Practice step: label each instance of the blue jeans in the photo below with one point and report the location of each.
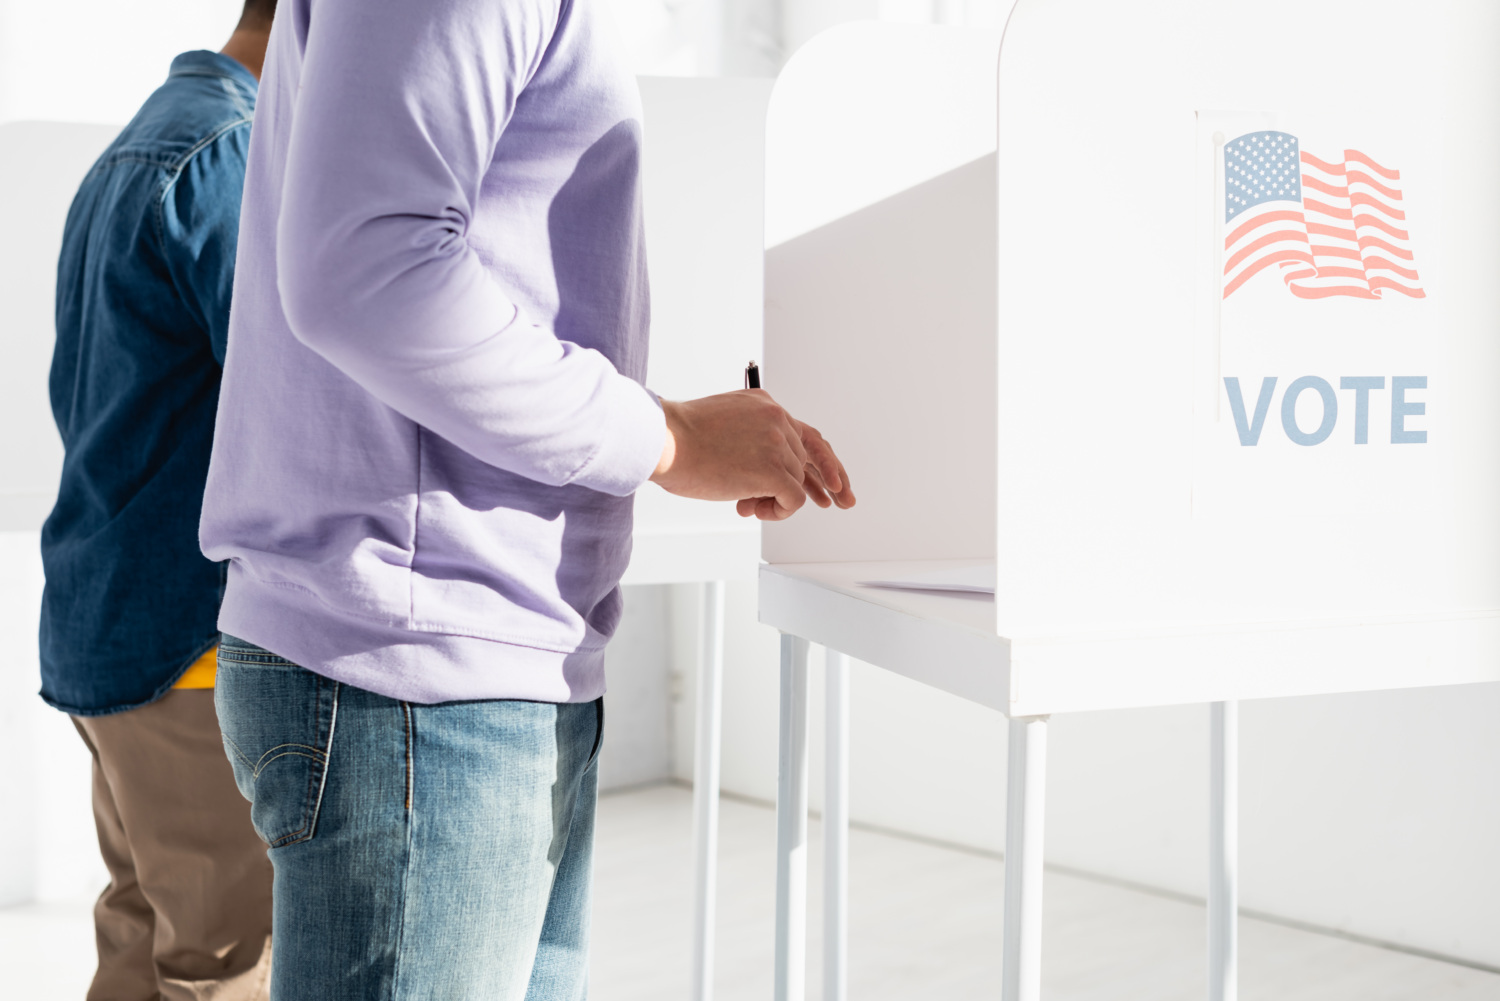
(420, 851)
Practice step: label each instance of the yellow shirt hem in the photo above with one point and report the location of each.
(202, 672)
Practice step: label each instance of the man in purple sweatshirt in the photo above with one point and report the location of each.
(430, 428)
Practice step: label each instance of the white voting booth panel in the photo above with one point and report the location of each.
(1180, 314)
(1064, 408)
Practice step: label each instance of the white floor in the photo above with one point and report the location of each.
(925, 924)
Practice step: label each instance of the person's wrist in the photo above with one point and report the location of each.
(669, 446)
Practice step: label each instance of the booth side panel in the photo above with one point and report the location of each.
(880, 332)
(1136, 493)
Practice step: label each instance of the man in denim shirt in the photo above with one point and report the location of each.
(129, 616)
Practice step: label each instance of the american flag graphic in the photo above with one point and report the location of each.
(1331, 228)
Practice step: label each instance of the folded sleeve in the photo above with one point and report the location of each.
(399, 109)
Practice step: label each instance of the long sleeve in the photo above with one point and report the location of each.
(399, 112)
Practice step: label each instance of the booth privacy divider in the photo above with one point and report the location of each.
(1176, 318)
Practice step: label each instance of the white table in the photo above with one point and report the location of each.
(947, 641)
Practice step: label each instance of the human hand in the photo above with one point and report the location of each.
(824, 478)
(743, 446)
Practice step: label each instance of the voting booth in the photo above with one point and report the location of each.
(1158, 341)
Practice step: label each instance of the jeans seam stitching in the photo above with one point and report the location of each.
(406, 710)
(260, 766)
(317, 778)
(237, 750)
(251, 659)
(598, 730)
(416, 527)
(396, 968)
(297, 835)
(313, 774)
(333, 722)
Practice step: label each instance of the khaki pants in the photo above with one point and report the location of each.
(187, 913)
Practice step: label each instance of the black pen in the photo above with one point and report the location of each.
(752, 376)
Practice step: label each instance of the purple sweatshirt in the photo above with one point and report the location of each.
(431, 420)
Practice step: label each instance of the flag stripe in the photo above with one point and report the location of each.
(1282, 236)
(1327, 168)
(1389, 248)
(1321, 292)
(1309, 181)
(1373, 220)
(1313, 205)
(1415, 293)
(1354, 154)
(1286, 215)
(1326, 251)
(1381, 264)
(1360, 177)
(1361, 198)
(1265, 262)
(1321, 229)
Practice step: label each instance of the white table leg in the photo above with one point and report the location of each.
(836, 830)
(1026, 787)
(1223, 851)
(791, 825)
(706, 788)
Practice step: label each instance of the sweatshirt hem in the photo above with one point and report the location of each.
(398, 662)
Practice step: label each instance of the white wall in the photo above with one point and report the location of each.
(755, 37)
(638, 725)
(1374, 814)
(97, 60)
(47, 846)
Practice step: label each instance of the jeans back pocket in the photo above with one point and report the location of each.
(278, 721)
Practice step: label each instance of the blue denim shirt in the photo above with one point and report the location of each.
(143, 287)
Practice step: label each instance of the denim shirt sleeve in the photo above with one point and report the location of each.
(199, 229)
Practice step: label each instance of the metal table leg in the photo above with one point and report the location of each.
(836, 830)
(791, 825)
(1223, 851)
(706, 788)
(1026, 783)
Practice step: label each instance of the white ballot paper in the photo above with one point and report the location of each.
(978, 579)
